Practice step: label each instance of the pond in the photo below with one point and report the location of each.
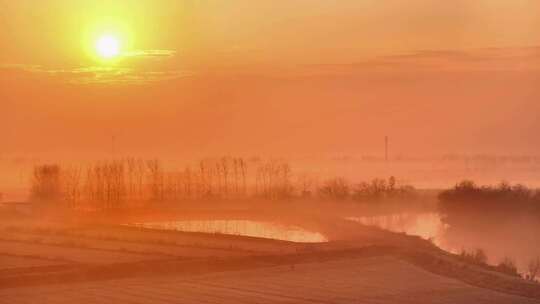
(499, 241)
(267, 230)
(425, 225)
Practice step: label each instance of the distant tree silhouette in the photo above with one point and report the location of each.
(477, 256)
(508, 266)
(502, 201)
(46, 183)
(533, 269)
(336, 188)
(379, 189)
(306, 184)
(130, 182)
(273, 180)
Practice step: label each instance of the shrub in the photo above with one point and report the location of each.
(533, 269)
(508, 266)
(382, 189)
(477, 256)
(336, 188)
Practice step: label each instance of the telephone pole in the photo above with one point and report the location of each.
(113, 146)
(386, 148)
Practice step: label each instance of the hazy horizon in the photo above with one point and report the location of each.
(311, 77)
(266, 151)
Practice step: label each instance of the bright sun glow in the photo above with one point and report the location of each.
(108, 46)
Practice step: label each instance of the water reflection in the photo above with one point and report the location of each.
(498, 240)
(241, 227)
(425, 225)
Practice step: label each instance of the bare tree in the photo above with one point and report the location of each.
(533, 269)
(508, 266)
(336, 188)
(306, 183)
(155, 176)
(225, 162)
(46, 183)
(71, 180)
(243, 172)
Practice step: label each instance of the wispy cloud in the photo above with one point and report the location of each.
(125, 72)
(487, 59)
(150, 53)
(99, 74)
(20, 67)
(124, 75)
(476, 55)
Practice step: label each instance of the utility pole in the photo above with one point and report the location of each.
(113, 146)
(386, 148)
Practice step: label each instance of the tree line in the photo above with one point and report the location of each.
(503, 200)
(115, 184)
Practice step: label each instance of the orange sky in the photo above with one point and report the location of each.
(271, 77)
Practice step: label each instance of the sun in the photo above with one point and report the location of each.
(108, 46)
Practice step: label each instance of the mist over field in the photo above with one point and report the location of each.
(301, 151)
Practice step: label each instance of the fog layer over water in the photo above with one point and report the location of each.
(516, 239)
(426, 225)
(241, 227)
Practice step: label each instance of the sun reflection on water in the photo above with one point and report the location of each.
(240, 227)
(428, 226)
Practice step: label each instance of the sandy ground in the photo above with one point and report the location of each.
(357, 280)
